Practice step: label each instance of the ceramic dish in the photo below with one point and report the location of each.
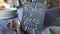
(8, 13)
(52, 30)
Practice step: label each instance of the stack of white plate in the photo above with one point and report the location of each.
(8, 13)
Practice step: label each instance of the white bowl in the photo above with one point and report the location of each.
(55, 30)
(8, 13)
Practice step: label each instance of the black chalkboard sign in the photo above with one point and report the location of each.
(33, 15)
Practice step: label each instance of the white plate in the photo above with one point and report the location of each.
(55, 29)
(8, 13)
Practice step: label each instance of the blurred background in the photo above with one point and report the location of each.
(36, 14)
